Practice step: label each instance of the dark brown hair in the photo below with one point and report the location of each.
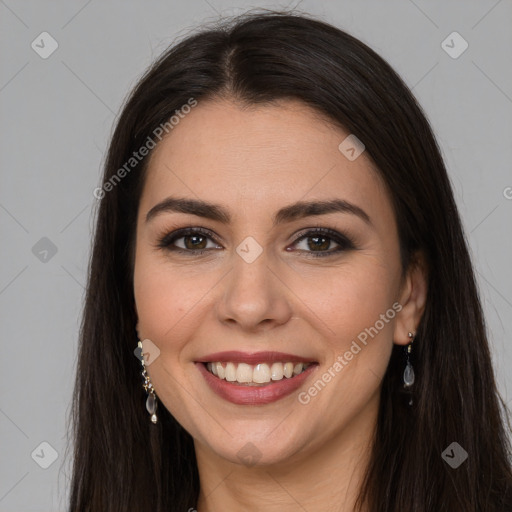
(124, 462)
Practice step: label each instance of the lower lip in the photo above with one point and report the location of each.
(255, 395)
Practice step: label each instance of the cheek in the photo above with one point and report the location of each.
(165, 301)
(354, 309)
(156, 304)
(347, 300)
(165, 297)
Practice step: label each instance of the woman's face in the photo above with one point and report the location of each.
(265, 280)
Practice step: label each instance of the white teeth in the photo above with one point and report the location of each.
(230, 372)
(276, 371)
(244, 373)
(221, 373)
(288, 370)
(260, 373)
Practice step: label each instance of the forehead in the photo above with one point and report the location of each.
(259, 157)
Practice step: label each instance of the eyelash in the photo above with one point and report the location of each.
(344, 242)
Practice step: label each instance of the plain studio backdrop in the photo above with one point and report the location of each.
(66, 67)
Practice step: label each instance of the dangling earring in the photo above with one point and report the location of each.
(151, 402)
(409, 371)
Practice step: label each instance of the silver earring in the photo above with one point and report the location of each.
(409, 371)
(151, 402)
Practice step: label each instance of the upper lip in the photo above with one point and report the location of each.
(253, 357)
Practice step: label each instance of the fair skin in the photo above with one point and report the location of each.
(253, 162)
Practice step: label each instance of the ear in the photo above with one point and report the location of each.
(412, 298)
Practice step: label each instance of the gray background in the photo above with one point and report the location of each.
(56, 117)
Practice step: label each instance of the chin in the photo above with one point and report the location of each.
(257, 446)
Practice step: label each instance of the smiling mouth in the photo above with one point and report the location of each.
(260, 374)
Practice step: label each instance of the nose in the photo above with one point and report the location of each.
(255, 296)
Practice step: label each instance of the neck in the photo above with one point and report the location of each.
(326, 478)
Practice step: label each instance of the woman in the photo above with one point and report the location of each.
(278, 243)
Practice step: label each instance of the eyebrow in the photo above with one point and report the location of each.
(289, 213)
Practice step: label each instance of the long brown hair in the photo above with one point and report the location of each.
(124, 462)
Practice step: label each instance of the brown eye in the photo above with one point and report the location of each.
(194, 241)
(189, 240)
(318, 242)
(321, 240)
